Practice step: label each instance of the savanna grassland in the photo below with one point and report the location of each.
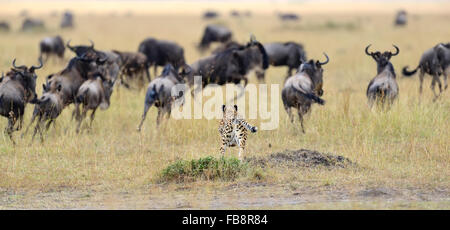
(402, 156)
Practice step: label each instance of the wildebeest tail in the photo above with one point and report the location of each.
(315, 98)
(265, 58)
(151, 96)
(409, 73)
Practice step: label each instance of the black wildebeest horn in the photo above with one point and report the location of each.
(323, 63)
(92, 44)
(397, 50)
(68, 45)
(18, 67)
(367, 50)
(33, 68)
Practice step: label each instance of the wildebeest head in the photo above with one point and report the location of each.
(80, 50)
(382, 59)
(246, 58)
(315, 71)
(27, 77)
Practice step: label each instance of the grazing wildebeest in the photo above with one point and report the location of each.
(214, 33)
(47, 108)
(161, 53)
(235, 13)
(30, 24)
(288, 16)
(383, 87)
(92, 94)
(4, 26)
(229, 66)
(52, 46)
(159, 92)
(210, 14)
(17, 89)
(111, 68)
(290, 54)
(400, 18)
(303, 89)
(133, 64)
(70, 78)
(430, 64)
(67, 20)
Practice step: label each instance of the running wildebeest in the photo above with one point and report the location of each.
(133, 64)
(288, 16)
(229, 66)
(214, 33)
(92, 94)
(159, 92)
(110, 70)
(400, 18)
(17, 89)
(161, 53)
(30, 24)
(4, 26)
(430, 64)
(67, 20)
(383, 88)
(210, 14)
(47, 108)
(52, 46)
(303, 89)
(290, 54)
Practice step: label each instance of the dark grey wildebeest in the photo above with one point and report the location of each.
(210, 14)
(67, 20)
(161, 53)
(133, 64)
(47, 108)
(17, 89)
(93, 94)
(303, 89)
(443, 54)
(31, 24)
(290, 54)
(159, 92)
(4, 26)
(52, 46)
(288, 16)
(383, 88)
(430, 64)
(229, 66)
(110, 69)
(214, 33)
(400, 18)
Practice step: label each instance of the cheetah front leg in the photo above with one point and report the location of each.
(223, 146)
(241, 145)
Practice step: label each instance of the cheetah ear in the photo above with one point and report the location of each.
(223, 108)
(235, 107)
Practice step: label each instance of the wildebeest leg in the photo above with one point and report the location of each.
(81, 118)
(147, 106)
(158, 117)
(301, 112)
(289, 72)
(92, 117)
(10, 128)
(37, 128)
(421, 75)
(260, 74)
(433, 84)
(289, 112)
(29, 125)
(147, 73)
(445, 80)
(241, 93)
(20, 124)
(155, 69)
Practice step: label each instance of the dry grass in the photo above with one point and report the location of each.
(405, 149)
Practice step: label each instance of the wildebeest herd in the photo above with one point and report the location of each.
(89, 78)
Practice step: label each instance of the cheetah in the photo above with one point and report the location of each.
(233, 129)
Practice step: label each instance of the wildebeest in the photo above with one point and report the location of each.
(430, 64)
(92, 94)
(133, 64)
(443, 54)
(400, 18)
(229, 66)
(159, 92)
(52, 46)
(235, 13)
(30, 24)
(210, 14)
(288, 16)
(67, 20)
(290, 54)
(17, 89)
(110, 69)
(214, 33)
(4, 26)
(70, 78)
(383, 87)
(47, 108)
(161, 53)
(303, 89)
